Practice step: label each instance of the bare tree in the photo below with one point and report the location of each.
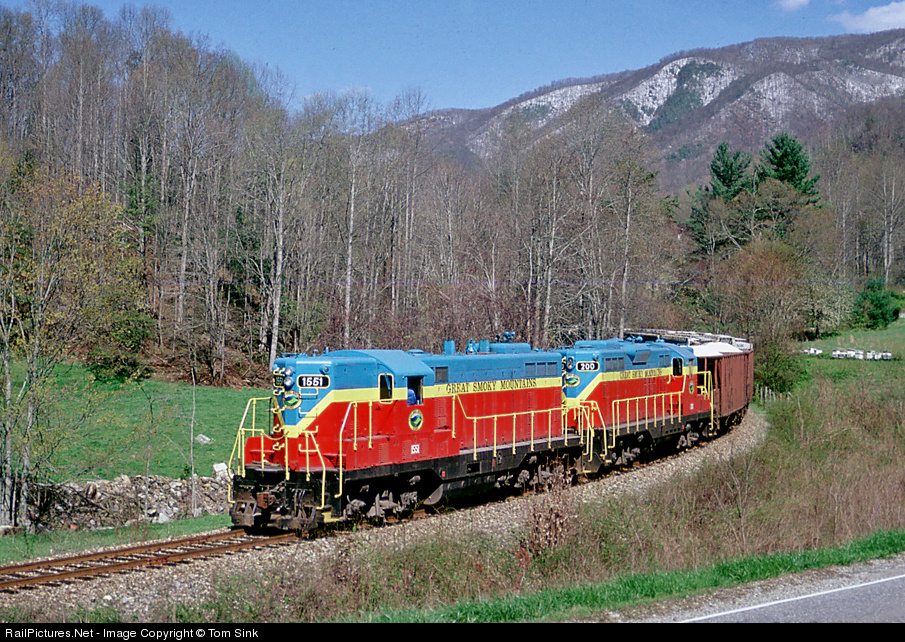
(358, 120)
(56, 282)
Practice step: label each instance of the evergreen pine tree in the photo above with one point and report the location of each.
(785, 160)
(728, 172)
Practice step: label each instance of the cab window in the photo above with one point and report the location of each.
(386, 387)
(415, 391)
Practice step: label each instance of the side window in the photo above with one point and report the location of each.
(415, 391)
(386, 387)
(677, 367)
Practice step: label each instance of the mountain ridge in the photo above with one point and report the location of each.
(691, 101)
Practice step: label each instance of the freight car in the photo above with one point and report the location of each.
(371, 433)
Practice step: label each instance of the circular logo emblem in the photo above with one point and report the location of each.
(571, 380)
(291, 400)
(416, 420)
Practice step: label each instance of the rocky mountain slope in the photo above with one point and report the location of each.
(691, 101)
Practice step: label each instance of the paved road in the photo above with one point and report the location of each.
(868, 592)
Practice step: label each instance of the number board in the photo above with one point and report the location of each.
(313, 381)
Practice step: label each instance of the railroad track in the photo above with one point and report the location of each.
(60, 570)
(14, 577)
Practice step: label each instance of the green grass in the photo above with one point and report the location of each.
(107, 430)
(588, 601)
(153, 419)
(138, 428)
(868, 373)
(891, 339)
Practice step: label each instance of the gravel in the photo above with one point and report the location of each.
(153, 594)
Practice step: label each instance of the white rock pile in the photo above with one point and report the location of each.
(127, 500)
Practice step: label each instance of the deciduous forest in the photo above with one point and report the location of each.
(165, 206)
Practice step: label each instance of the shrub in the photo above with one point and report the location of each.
(119, 357)
(875, 308)
(777, 366)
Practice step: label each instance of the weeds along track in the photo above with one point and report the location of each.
(15, 577)
(644, 473)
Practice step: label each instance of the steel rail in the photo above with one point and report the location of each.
(15, 576)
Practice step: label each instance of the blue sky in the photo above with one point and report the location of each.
(479, 53)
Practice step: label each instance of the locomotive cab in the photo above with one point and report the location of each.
(632, 394)
(333, 414)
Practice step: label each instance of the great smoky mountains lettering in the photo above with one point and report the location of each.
(489, 386)
(637, 374)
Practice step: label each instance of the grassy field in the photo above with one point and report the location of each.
(139, 428)
(874, 375)
(105, 430)
(891, 339)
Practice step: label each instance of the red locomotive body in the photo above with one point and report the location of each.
(361, 433)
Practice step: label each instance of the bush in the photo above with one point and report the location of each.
(875, 308)
(777, 366)
(119, 357)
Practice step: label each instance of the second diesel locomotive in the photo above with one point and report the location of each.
(372, 433)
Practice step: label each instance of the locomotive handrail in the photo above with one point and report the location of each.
(353, 409)
(706, 389)
(503, 415)
(662, 397)
(342, 430)
(281, 443)
(587, 410)
(309, 437)
(239, 445)
(308, 395)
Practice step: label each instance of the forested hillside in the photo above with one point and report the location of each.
(238, 223)
(165, 206)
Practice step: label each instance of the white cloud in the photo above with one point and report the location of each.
(792, 5)
(890, 16)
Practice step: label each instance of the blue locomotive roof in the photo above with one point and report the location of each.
(395, 361)
(461, 368)
(643, 354)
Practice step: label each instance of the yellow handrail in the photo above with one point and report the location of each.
(238, 450)
(309, 448)
(504, 415)
(622, 409)
(707, 390)
(587, 410)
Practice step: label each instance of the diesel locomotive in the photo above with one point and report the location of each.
(355, 434)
